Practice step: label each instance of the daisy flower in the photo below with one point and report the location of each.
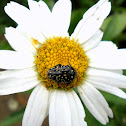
(47, 58)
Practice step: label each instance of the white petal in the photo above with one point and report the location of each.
(107, 77)
(104, 47)
(108, 88)
(17, 12)
(15, 60)
(37, 106)
(23, 17)
(39, 8)
(77, 110)
(18, 41)
(119, 71)
(96, 103)
(59, 110)
(14, 85)
(93, 41)
(73, 109)
(100, 99)
(61, 14)
(33, 5)
(114, 71)
(42, 16)
(107, 56)
(97, 10)
(92, 107)
(92, 20)
(20, 74)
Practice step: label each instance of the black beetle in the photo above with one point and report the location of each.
(62, 73)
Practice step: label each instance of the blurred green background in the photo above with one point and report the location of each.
(114, 28)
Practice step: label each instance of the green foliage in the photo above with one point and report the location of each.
(114, 26)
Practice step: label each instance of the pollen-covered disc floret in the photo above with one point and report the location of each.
(60, 52)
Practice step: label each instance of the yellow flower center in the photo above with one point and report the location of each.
(61, 63)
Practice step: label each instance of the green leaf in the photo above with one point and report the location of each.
(2, 28)
(115, 26)
(122, 38)
(124, 72)
(50, 3)
(117, 2)
(28, 91)
(4, 45)
(14, 118)
(86, 3)
(106, 23)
